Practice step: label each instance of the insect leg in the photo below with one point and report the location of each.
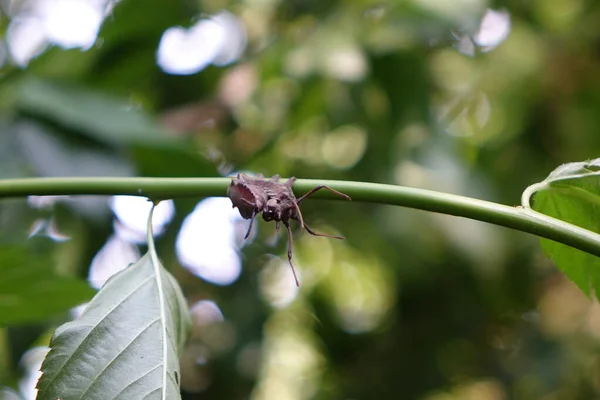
(290, 245)
(299, 215)
(321, 234)
(251, 222)
(345, 196)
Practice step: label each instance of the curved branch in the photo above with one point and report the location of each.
(444, 203)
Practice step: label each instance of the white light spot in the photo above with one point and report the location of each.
(494, 28)
(66, 23)
(206, 312)
(26, 39)
(31, 362)
(71, 23)
(235, 38)
(219, 41)
(183, 52)
(114, 256)
(208, 241)
(132, 213)
(346, 63)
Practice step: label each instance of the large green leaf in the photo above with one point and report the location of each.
(29, 289)
(571, 193)
(108, 119)
(127, 342)
(52, 155)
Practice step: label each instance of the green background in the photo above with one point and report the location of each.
(411, 305)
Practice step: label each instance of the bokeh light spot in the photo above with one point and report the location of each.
(71, 23)
(205, 312)
(114, 256)
(277, 283)
(344, 147)
(219, 40)
(132, 214)
(495, 27)
(208, 241)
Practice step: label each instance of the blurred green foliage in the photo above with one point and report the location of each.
(412, 305)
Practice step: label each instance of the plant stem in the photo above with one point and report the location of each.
(164, 188)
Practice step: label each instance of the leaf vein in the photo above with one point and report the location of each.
(87, 336)
(136, 380)
(133, 339)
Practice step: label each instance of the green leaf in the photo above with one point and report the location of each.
(158, 16)
(127, 342)
(571, 193)
(11, 156)
(30, 291)
(106, 118)
(53, 155)
(180, 161)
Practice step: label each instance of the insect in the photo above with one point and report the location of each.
(276, 201)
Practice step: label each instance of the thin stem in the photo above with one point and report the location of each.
(164, 188)
(530, 191)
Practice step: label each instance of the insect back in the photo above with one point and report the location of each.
(276, 201)
(245, 195)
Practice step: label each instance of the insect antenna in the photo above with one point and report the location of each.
(290, 245)
(316, 188)
(321, 234)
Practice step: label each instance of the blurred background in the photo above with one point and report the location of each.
(473, 97)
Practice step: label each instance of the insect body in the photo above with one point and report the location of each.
(276, 201)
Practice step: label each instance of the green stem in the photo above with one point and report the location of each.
(518, 218)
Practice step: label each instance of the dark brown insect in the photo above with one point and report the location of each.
(276, 201)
